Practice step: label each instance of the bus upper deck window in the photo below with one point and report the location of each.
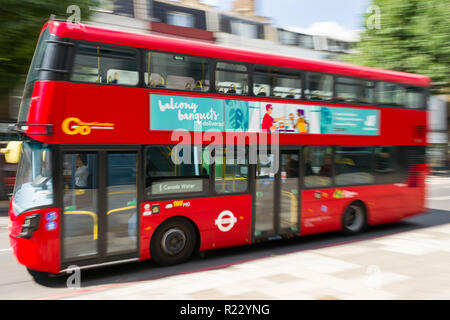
(318, 86)
(354, 90)
(415, 98)
(275, 82)
(173, 71)
(97, 64)
(231, 78)
(390, 94)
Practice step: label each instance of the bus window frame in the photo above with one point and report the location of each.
(138, 60)
(373, 86)
(300, 75)
(213, 171)
(425, 95)
(372, 166)
(174, 196)
(142, 70)
(207, 193)
(249, 74)
(401, 170)
(303, 163)
(384, 105)
(333, 86)
(101, 150)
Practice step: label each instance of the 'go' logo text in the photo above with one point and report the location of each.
(74, 126)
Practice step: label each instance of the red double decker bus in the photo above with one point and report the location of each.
(138, 146)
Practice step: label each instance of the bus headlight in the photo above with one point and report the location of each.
(30, 225)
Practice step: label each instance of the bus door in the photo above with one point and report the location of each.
(276, 194)
(99, 206)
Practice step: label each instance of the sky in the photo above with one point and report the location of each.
(340, 18)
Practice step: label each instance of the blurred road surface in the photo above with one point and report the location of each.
(405, 260)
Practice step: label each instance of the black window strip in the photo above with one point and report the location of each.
(251, 73)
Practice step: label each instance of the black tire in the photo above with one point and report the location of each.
(173, 242)
(354, 219)
(38, 276)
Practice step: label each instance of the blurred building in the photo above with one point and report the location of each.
(242, 27)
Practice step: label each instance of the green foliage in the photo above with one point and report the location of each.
(20, 25)
(413, 36)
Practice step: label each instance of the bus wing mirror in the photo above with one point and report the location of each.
(12, 151)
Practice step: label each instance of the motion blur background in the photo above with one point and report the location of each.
(405, 35)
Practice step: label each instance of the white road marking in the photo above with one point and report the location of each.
(439, 198)
(435, 182)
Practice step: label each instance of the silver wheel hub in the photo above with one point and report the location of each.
(354, 219)
(173, 241)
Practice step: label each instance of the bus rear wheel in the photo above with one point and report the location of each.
(173, 242)
(354, 219)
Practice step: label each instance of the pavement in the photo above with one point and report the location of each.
(412, 264)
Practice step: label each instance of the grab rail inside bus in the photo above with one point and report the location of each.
(94, 218)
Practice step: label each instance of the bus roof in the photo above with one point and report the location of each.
(183, 46)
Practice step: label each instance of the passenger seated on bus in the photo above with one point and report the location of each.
(116, 78)
(291, 94)
(262, 92)
(292, 168)
(308, 165)
(233, 88)
(325, 169)
(160, 83)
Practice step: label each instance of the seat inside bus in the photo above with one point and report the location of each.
(229, 87)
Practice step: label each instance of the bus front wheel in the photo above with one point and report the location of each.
(173, 242)
(354, 219)
(39, 276)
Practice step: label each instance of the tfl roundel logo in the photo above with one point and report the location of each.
(225, 221)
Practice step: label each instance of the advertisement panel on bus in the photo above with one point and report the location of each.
(170, 112)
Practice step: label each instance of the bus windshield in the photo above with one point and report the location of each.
(34, 185)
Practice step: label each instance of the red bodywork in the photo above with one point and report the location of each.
(41, 252)
(127, 109)
(203, 212)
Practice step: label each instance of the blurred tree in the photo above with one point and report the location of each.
(407, 35)
(20, 25)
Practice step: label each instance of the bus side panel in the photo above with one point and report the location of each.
(322, 209)
(42, 251)
(115, 108)
(221, 221)
(321, 212)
